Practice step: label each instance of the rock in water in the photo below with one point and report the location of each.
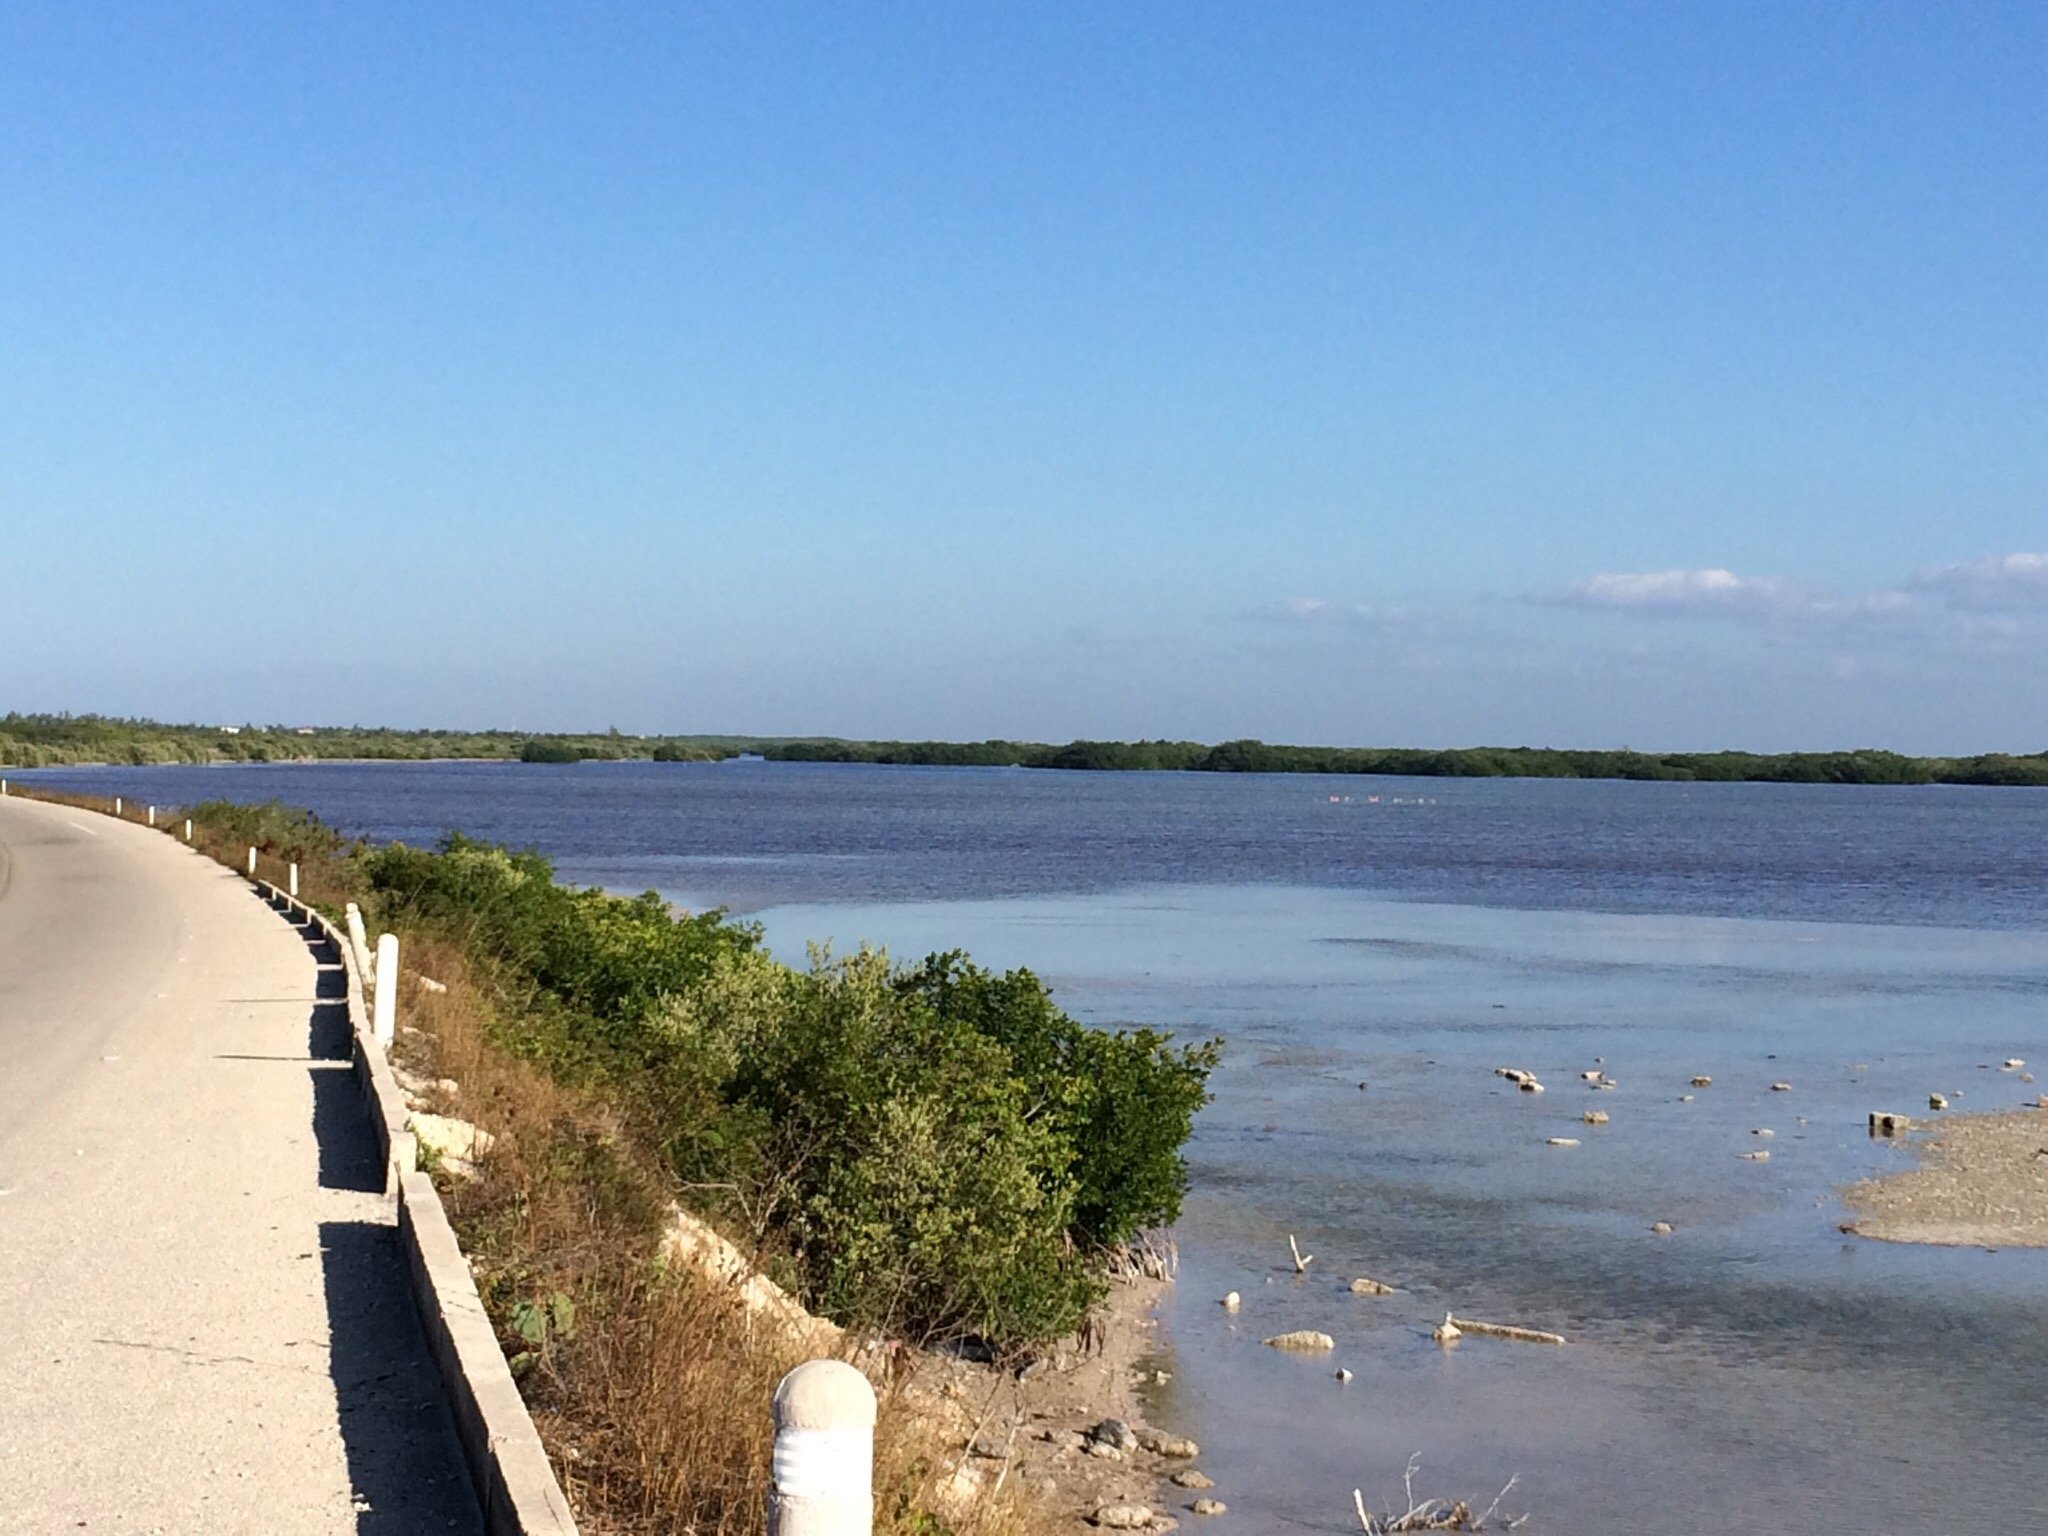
(1781, 1087)
(1209, 1507)
(1190, 1478)
(1364, 1287)
(1305, 1339)
(1937, 1101)
(1231, 1302)
(1757, 1157)
(1703, 1082)
(1660, 1228)
(1595, 1117)
(1562, 1141)
(1447, 1332)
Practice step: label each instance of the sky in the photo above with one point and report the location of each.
(1672, 376)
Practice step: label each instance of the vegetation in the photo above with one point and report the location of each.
(937, 1151)
(1865, 766)
(34, 741)
(49, 741)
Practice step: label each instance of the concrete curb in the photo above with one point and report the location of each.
(515, 1483)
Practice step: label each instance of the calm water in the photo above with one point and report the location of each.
(1755, 1370)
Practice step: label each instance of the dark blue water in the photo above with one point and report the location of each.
(751, 834)
(1756, 1370)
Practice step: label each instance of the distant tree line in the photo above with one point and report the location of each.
(33, 741)
(1865, 766)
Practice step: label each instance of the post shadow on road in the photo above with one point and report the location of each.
(341, 1122)
(404, 1460)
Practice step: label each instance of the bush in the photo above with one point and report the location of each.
(550, 752)
(940, 1150)
(286, 831)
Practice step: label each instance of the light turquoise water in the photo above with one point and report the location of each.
(1756, 1369)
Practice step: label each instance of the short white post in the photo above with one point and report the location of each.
(384, 1016)
(117, 805)
(252, 863)
(292, 888)
(3, 786)
(152, 815)
(188, 829)
(824, 1464)
(359, 942)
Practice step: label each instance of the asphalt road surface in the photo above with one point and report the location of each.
(204, 1325)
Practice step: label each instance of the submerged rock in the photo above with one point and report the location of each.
(1209, 1507)
(1305, 1339)
(1190, 1478)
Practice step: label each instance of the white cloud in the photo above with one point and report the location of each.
(1968, 597)
(1711, 591)
(2018, 580)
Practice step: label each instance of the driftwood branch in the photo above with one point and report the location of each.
(1504, 1331)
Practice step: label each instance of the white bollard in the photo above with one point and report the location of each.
(824, 1465)
(152, 815)
(3, 786)
(117, 805)
(252, 863)
(292, 888)
(188, 829)
(384, 1017)
(359, 942)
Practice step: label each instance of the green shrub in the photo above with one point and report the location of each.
(551, 752)
(286, 831)
(940, 1150)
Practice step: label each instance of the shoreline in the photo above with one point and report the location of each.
(1977, 1181)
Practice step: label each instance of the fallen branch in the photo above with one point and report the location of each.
(1505, 1331)
(1301, 1260)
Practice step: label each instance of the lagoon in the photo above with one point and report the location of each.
(1756, 1368)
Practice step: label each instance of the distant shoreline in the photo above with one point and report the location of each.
(72, 741)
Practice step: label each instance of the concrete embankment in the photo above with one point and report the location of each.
(210, 1322)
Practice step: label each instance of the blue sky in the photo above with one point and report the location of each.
(1663, 375)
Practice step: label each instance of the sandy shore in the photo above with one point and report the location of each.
(1981, 1181)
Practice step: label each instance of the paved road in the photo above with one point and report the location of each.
(203, 1322)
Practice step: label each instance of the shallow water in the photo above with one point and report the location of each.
(1756, 1369)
